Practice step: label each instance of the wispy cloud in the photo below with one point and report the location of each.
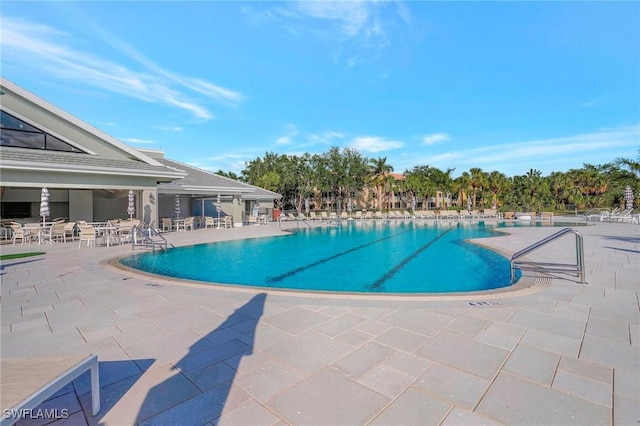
(375, 144)
(138, 141)
(172, 128)
(435, 138)
(538, 153)
(365, 26)
(38, 46)
(593, 102)
(294, 137)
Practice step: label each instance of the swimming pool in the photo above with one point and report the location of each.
(361, 257)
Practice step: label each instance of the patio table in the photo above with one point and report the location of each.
(177, 224)
(108, 233)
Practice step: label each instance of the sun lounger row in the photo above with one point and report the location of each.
(392, 214)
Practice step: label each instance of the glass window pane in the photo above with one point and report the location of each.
(55, 144)
(10, 122)
(19, 139)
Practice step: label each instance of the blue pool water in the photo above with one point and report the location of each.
(369, 257)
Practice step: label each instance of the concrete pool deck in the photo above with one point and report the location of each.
(172, 353)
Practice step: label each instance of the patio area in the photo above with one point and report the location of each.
(559, 353)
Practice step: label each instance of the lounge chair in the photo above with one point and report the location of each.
(344, 215)
(450, 214)
(489, 213)
(312, 216)
(323, 216)
(429, 214)
(28, 382)
(358, 215)
(546, 216)
(621, 216)
(368, 215)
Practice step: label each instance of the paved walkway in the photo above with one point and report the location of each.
(561, 353)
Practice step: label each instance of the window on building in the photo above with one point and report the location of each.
(16, 210)
(18, 134)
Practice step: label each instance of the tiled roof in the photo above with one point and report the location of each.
(40, 159)
(201, 178)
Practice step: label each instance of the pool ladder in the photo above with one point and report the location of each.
(576, 270)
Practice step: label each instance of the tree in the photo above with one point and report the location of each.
(379, 171)
(632, 165)
(496, 182)
(340, 173)
(462, 187)
(477, 181)
(230, 175)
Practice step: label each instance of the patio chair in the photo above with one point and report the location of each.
(252, 220)
(55, 232)
(70, 230)
(32, 231)
(189, 223)
(209, 222)
(228, 221)
(88, 234)
(166, 224)
(18, 234)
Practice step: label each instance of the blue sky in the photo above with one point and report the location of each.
(505, 86)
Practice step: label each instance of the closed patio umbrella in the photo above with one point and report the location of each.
(44, 204)
(131, 208)
(218, 205)
(177, 206)
(628, 197)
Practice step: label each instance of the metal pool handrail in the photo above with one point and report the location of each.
(571, 269)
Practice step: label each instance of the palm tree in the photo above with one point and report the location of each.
(477, 180)
(497, 182)
(628, 163)
(462, 185)
(379, 172)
